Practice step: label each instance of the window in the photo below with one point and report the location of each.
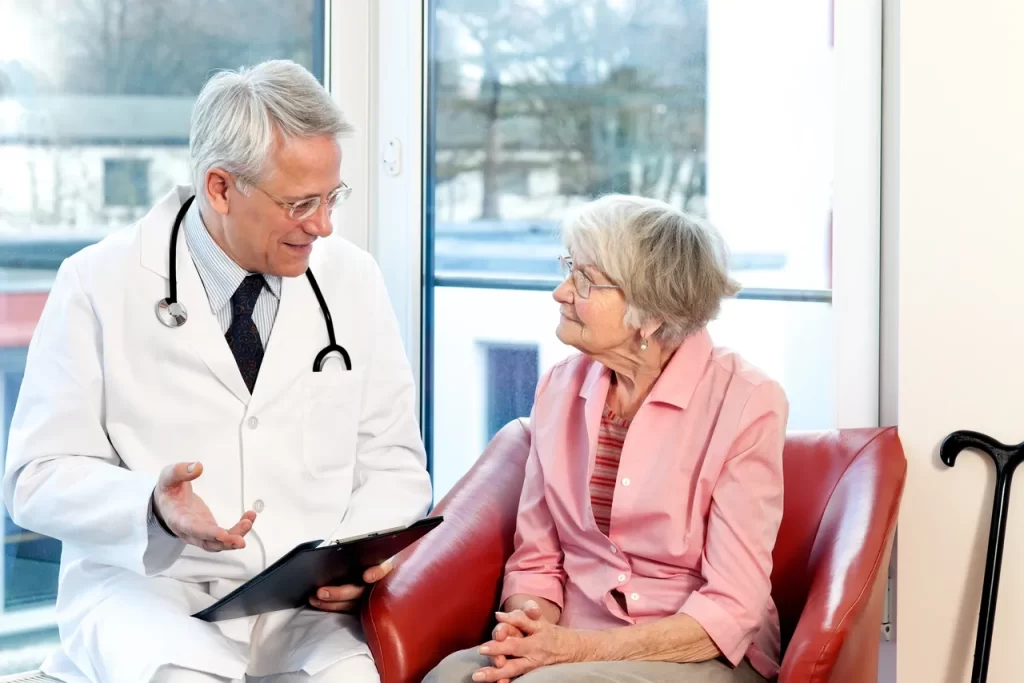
(743, 119)
(126, 182)
(91, 133)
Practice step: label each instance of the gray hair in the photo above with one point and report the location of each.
(669, 264)
(237, 113)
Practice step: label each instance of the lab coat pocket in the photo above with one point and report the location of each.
(330, 421)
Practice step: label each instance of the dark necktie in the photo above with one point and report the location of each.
(242, 336)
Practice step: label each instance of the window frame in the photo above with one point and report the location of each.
(398, 81)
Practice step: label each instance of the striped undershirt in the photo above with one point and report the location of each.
(606, 467)
(221, 277)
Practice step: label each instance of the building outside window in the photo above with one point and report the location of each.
(126, 182)
(511, 382)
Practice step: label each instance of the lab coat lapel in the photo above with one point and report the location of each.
(202, 330)
(155, 230)
(290, 350)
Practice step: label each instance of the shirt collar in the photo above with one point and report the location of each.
(678, 380)
(220, 275)
(684, 371)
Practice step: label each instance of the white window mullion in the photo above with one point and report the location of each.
(389, 150)
(857, 211)
(350, 78)
(396, 240)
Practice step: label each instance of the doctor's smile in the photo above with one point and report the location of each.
(301, 249)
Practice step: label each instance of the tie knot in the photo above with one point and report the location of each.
(244, 299)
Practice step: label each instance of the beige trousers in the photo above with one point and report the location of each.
(459, 668)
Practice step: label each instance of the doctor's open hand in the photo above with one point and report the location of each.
(346, 598)
(188, 517)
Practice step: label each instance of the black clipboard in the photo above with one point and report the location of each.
(293, 579)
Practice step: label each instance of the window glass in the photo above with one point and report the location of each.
(535, 106)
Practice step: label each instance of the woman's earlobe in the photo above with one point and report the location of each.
(651, 328)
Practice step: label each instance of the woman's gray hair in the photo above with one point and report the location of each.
(237, 113)
(669, 264)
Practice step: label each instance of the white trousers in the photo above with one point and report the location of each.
(356, 669)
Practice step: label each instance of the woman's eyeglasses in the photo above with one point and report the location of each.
(580, 281)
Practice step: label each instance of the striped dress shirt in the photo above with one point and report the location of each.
(221, 277)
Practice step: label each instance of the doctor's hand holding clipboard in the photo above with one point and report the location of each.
(346, 598)
(183, 514)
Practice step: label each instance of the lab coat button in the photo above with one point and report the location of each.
(625, 482)
(257, 505)
(635, 596)
(253, 423)
(622, 578)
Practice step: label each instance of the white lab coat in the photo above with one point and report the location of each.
(110, 396)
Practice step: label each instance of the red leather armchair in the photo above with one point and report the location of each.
(843, 490)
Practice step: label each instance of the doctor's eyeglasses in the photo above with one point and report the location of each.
(304, 208)
(580, 280)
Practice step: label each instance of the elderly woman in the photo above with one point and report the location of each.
(653, 490)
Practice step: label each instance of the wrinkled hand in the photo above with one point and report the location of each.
(346, 598)
(541, 644)
(188, 517)
(505, 630)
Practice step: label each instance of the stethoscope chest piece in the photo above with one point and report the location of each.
(171, 314)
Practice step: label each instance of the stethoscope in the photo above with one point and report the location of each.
(172, 313)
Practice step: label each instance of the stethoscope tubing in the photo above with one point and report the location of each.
(178, 321)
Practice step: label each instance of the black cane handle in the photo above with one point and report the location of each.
(1006, 459)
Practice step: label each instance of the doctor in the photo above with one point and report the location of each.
(176, 451)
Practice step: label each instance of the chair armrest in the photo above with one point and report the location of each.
(444, 589)
(837, 637)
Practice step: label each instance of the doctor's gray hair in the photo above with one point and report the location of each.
(237, 113)
(670, 265)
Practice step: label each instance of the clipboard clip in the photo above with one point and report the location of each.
(345, 541)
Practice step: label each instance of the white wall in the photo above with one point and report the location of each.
(961, 357)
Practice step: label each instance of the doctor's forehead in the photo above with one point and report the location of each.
(305, 167)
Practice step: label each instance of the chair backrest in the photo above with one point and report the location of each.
(842, 494)
(454, 575)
